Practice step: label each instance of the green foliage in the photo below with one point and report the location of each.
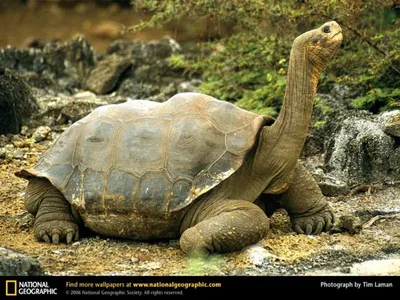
(319, 123)
(378, 99)
(245, 72)
(325, 109)
(248, 65)
(177, 62)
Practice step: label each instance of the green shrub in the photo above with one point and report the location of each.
(248, 66)
(378, 100)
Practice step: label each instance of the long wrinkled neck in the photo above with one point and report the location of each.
(293, 121)
(280, 145)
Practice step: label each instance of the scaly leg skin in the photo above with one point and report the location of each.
(222, 226)
(308, 210)
(55, 219)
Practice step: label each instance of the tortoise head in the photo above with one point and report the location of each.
(319, 45)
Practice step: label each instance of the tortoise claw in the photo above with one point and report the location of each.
(76, 236)
(319, 228)
(56, 231)
(328, 225)
(46, 238)
(69, 237)
(309, 229)
(313, 224)
(298, 229)
(56, 239)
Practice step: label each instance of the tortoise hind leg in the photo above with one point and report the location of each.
(55, 219)
(224, 226)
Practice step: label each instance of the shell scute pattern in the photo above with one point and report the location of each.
(149, 158)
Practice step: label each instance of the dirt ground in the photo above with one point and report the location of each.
(368, 229)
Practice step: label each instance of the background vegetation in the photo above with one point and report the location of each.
(245, 56)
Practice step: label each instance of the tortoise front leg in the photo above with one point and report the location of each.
(55, 220)
(308, 210)
(226, 226)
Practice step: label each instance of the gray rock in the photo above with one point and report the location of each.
(72, 60)
(332, 187)
(391, 122)
(158, 72)
(22, 60)
(4, 140)
(151, 76)
(105, 76)
(18, 154)
(189, 86)
(350, 223)
(339, 98)
(41, 133)
(143, 52)
(16, 102)
(81, 104)
(63, 66)
(257, 255)
(325, 111)
(3, 153)
(62, 108)
(136, 90)
(13, 263)
(359, 151)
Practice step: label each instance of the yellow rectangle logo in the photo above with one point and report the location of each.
(11, 288)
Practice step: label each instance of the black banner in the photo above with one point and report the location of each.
(178, 286)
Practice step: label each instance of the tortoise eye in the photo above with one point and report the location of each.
(327, 29)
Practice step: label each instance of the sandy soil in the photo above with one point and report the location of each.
(282, 252)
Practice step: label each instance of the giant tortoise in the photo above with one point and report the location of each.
(192, 167)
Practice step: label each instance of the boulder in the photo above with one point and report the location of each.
(16, 102)
(62, 108)
(66, 63)
(359, 151)
(391, 123)
(143, 52)
(13, 263)
(104, 77)
(151, 75)
(337, 100)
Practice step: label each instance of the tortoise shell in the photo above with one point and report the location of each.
(147, 157)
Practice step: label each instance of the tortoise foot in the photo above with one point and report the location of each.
(314, 224)
(57, 231)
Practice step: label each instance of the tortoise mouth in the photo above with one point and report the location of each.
(338, 36)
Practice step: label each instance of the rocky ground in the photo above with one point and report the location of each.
(367, 230)
(355, 157)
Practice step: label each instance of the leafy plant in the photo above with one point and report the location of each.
(248, 65)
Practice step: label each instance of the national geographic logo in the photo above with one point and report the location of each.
(11, 288)
(14, 288)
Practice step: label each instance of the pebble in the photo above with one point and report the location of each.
(151, 266)
(3, 140)
(134, 260)
(24, 130)
(257, 255)
(41, 133)
(18, 154)
(9, 147)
